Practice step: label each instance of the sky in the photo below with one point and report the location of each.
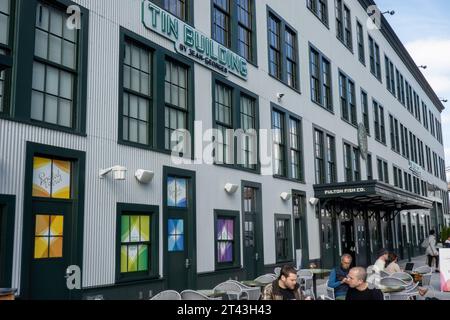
(424, 28)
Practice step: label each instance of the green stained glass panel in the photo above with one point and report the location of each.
(134, 229)
(145, 228)
(143, 258)
(123, 259)
(132, 258)
(125, 234)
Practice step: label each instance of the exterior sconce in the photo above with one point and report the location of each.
(118, 172)
(286, 196)
(144, 176)
(231, 188)
(313, 201)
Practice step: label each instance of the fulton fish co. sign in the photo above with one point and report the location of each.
(192, 43)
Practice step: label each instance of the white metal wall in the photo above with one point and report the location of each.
(106, 17)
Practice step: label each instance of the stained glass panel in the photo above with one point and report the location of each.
(176, 235)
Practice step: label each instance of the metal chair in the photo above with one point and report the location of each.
(252, 293)
(384, 274)
(233, 290)
(195, 295)
(167, 295)
(277, 271)
(330, 293)
(392, 282)
(403, 275)
(426, 282)
(423, 270)
(369, 270)
(266, 278)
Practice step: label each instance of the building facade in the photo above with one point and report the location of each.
(349, 151)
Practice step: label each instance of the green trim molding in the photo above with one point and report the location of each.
(7, 229)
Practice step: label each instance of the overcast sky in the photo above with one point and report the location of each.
(424, 28)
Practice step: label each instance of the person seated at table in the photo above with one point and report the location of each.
(380, 264)
(447, 243)
(392, 264)
(285, 287)
(338, 277)
(359, 288)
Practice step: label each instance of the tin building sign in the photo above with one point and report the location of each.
(192, 43)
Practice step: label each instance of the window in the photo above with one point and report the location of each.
(344, 24)
(235, 118)
(182, 9)
(137, 245)
(429, 163)
(177, 191)
(137, 88)
(52, 178)
(55, 68)
(365, 110)
(406, 139)
(409, 97)
(283, 238)
(320, 9)
(320, 68)
(5, 51)
(351, 163)
(176, 104)
(400, 87)
(383, 170)
(348, 99)
(395, 136)
(375, 63)
(417, 106)
(361, 45)
(48, 238)
(390, 75)
(325, 157)
(432, 129)
(287, 145)
(283, 51)
(369, 167)
(380, 132)
(398, 177)
(227, 239)
(233, 26)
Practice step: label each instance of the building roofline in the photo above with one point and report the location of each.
(397, 45)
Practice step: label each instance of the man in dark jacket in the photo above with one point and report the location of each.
(285, 287)
(338, 277)
(359, 288)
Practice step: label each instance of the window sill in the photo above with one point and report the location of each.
(239, 168)
(381, 142)
(379, 79)
(317, 16)
(149, 148)
(349, 123)
(345, 45)
(285, 83)
(43, 126)
(130, 280)
(301, 181)
(316, 103)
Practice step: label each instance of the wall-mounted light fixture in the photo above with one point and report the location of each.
(286, 196)
(280, 96)
(231, 188)
(390, 12)
(313, 201)
(118, 172)
(144, 176)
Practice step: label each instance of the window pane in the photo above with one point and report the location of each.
(41, 44)
(51, 109)
(37, 106)
(52, 81)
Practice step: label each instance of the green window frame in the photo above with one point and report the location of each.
(287, 149)
(230, 257)
(379, 122)
(182, 9)
(383, 170)
(321, 79)
(235, 110)
(390, 75)
(320, 9)
(150, 88)
(344, 24)
(347, 93)
(7, 15)
(233, 24)
(283, 55)
(365, 110)
(324, 156)
(137, 236)
(52, 63)
(361, 42)
(369, 167)
(7, 215)
(352, 163)
(283, 238)
(375, 62)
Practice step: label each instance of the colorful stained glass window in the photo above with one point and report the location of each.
(177, 192)
(225, 240)
(176, 235)
(51, 178)
(48, 236)
(135, 243)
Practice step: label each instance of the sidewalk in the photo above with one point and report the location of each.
(418, 261)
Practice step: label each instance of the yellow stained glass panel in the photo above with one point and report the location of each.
(56, 226)
(61, 175)
(134, 226)
(123, 259)
(42, 225)
(56, 247)
(40, 247)
(42, 177)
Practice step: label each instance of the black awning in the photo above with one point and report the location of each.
(373, 195)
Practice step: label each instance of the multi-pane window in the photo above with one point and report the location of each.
(248, 123)
(279, 143)
(325, 157)
(177, 7)
(409, 104)
(225, 239)
(137, 95)
(224, 123)
(365, 110)
(5, 48)
(400, 87)
(320, 9)
(405, 139)
(321, 89)
(221, 27)
(417, 106)
(429, 163)
(283, 239)
(233, 26)
(375, 63)
(425, 115)
(351, 163)
(398, 177)
(295, 148)
(344, 24)
(49, 237)
(55, 68)
(176, 104)
(379, 123)
(395, 135)
(283, 51)
(383, 171)
(369, 167)
(432, 127)
(390, 75)
(135, 244)
(348, 99)
(361, 46)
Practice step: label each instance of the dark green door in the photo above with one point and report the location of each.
(300, 227)
(326, 231)
(51, 250)
(348, 243)
(375, 241)
(179, 233)
(253, 259)
(361, 242)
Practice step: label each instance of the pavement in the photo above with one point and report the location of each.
(435, 290)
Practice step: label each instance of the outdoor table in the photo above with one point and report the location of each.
(391, 289)
(7, 294)
(254, 284)
(218, 295)
(315, 272)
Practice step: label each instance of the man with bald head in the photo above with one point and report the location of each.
(359, 288)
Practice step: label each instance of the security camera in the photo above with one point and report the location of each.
(280, 96)
(144, 176)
